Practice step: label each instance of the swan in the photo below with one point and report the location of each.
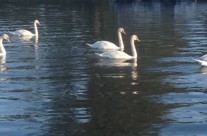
(2, 49)
(23, 32)
(106, 45)
(120, 54)
(202, 60)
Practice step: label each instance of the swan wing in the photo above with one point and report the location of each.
(202, 62)
(204, 57)
(104, 45)
(23, 32)
(115, 55)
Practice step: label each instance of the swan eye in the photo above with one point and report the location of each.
(122, 31)
(7, 38)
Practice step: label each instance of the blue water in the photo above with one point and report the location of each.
(58, 86)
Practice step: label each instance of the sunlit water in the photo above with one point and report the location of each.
(58, 86)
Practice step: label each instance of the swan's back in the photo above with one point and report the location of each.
(23, 32)
(202, 62)
(204, 57)
(115, 55)
(104, 45)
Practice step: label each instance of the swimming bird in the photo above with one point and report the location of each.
(202, 60)
(120, 54)
(2, 49)
(23, 32)
(106, 45)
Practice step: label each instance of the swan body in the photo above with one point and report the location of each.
(2, 49)
(23, 32)
(120, 54)
(106, 45)
(202, 60)
(115, 55)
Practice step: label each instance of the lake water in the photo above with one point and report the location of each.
(59, 87)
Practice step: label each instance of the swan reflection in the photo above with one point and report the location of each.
(116, 63)
(128, 68)
(2, 62)
(204, 70)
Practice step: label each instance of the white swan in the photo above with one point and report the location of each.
(120, 54)
(2, 49)
(202, 60)
(106, 45)
(23, 32)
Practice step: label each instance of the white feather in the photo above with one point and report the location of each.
(106, 45)
(202, 62)
(119, 54)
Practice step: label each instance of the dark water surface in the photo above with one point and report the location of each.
(59, 87)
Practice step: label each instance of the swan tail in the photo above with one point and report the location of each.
(202, 62)
(88, 44)
(14, 33)
(100, 55)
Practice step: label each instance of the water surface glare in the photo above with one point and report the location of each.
(58, 86)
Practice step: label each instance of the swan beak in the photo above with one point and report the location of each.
(124, 32)
(8, 40)
(138, 39)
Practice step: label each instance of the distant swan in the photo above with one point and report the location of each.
(2, 49)
(23, 32)
(106, 45)
(202, 60)
(120, 54)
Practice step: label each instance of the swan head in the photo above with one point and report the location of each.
(121, 30)
(5, 37)
(37, 22)
(135, 38)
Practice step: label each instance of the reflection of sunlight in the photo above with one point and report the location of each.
(189, 81)
(189, 105)
(187, 98)
(135, 75)
(79, 89)
(134, 92)
(190, 111)
(81, 114)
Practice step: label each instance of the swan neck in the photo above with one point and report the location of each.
(121, 44)
(2, 49)
(134, 52)
(35, 29)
